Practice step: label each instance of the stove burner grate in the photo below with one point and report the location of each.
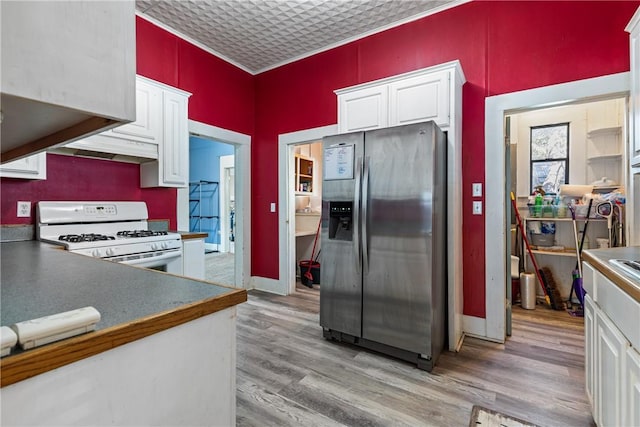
(91, 237)
(141, 233)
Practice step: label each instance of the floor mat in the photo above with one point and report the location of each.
(489, 418)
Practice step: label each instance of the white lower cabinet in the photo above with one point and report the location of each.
(193, 258)
(589, 349)
(632, 394)
(32, 167)
(611, 348)
(612, 361)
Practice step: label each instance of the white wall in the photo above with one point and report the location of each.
(582, 119)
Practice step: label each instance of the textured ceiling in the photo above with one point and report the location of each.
(258, 35)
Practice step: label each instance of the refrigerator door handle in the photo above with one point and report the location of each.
(357, 247)
(365, 215)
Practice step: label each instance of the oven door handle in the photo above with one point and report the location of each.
(154, 260)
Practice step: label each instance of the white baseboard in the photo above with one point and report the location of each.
(212, 246)
(268, 285)
(475, 326)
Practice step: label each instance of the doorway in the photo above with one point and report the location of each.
(227, 204)
(287, 202)
(580, 143)
(241, 149)
(497, 202)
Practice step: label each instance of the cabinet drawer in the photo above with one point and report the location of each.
(623, 310)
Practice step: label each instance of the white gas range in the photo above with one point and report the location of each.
(113, 231)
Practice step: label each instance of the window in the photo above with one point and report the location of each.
(549, 157)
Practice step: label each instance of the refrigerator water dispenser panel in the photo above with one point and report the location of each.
(341, 221)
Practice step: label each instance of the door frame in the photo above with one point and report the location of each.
(242, 144)
(226, 162)
(286, 201)
(497, 204)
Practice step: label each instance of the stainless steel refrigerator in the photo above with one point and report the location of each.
(383, 283)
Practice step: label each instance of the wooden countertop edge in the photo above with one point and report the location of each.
(603, 268)
(193, 235)
(37, 361)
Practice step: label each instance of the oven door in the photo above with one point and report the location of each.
(167, 261)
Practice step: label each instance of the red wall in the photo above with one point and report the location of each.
(502, 46)
(222, 96)
(77, 178)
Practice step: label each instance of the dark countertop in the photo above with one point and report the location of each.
(39, 279)
(599, 259)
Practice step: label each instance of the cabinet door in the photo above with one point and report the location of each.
(363, 109)
(634, 100)
(175, 147)
(589, 347)
(420, 98)
(610, 361)
(32, 167)
(146, 128)
(193, 258)
(632, 394)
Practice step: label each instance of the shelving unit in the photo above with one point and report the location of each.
(201, 216)
(604, 154)
(303, 174)
(562, 262)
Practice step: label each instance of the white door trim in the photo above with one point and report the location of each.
(496, 199)
(242, 166)
(286, 213)
(226, 162)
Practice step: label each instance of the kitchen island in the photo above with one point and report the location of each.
(163, 352)
(612, 336)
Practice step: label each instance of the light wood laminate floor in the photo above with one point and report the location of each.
(288, 375)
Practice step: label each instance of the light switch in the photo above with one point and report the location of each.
(477, 207)
(273, 207)
(477, 189)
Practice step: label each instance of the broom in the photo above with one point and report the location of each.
(308, 275)
(544, 275)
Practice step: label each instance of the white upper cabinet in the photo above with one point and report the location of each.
(146, 128)
(364, 109)
(68, 70)
(32, 167)
(420, 98)
(634, 108)
(412, 97)
(172, 167)
(135, 141)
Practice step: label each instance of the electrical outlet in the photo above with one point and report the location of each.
(273, 207)
(24, 209)
(477, 208)
(476, 189)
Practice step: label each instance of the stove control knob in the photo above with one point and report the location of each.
(165, 245)
(110, 252)
(154, 247)
(96, 253)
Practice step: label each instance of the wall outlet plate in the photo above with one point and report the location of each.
(476, 188)
(477, 207)
(24, 209)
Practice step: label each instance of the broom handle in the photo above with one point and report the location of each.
(526, 241)
(314, 246)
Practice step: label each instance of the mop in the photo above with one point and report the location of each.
(308, 275)
(577, 278)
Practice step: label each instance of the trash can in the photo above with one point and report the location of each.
(315, 272)
(528, 291)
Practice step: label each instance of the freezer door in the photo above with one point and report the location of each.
(341, 272)
(403, 253)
